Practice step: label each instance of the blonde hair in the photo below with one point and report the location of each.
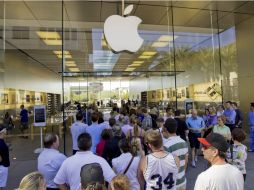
(31, 181)
(96, 186)
(154, 138)
(120, 182)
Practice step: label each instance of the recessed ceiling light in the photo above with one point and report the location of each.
(130, 69)
(59, 52)
(149, 53)
(53, 42)
(65, 56)
(48, 35)
(70, 64)
(74, 69)
(134, 65)
(144, 57)
(137, 62)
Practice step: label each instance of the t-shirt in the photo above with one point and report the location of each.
(239, 156)
(220, 177)
(224, 130)
(95, 131)
(120, 164)
(77, 128)
(69, 172)
(178, 147)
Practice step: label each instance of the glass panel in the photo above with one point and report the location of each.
(197, 56)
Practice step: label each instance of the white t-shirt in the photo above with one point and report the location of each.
(120, 164)
(69, 172)
(77, 128)
(220, 177)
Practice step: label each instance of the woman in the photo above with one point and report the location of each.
(8, 122)
(120, 182)
(127, 164)
(136, 136)
(222, 129)
(33, 181)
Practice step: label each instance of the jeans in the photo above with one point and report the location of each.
(252, 138)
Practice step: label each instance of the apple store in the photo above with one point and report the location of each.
(150, 53)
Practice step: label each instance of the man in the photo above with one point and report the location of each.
(182, 128)
(50, 160)
(196, 125)
(92, 175)
(68, 175)
(95, 131)
(239, 115)
(169, 113)
(159, 169)
(251, 125)
(77, 128)
(4, 158)
(177, 146)
(147, 121)
(230, 115)
(23, 120)
(220, 175)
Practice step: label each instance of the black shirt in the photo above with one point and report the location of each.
(181, 128)
(4, 153)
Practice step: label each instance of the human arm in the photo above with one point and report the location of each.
(141, 169)
(63, 187)
(186, 162)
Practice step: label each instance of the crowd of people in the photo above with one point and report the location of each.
(138, 149)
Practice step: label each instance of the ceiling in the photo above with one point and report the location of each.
(195, 22)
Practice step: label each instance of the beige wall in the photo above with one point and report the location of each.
(245, 59)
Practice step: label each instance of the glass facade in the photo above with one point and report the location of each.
(54, 52)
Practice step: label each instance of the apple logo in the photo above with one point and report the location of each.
(121, 33)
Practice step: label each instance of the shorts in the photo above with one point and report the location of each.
(193, 139)
(3, 176)
(23, 126)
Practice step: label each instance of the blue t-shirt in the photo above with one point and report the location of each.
(24, 116)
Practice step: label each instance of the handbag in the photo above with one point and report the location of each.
(128, 165)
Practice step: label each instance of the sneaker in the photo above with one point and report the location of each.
(193, 163)
(196, 159)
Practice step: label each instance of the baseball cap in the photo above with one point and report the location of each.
(91, 174)
(215, 140)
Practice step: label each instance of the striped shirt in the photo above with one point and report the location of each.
(177, 147)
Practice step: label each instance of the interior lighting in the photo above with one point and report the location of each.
(53, 42)
(137, 62)
(48, 35)
(144, 57)
(149, 53)
(60, 52)
(50, 38)
(70, 64)
(134, 65)
(74, 69)
(130, 69)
